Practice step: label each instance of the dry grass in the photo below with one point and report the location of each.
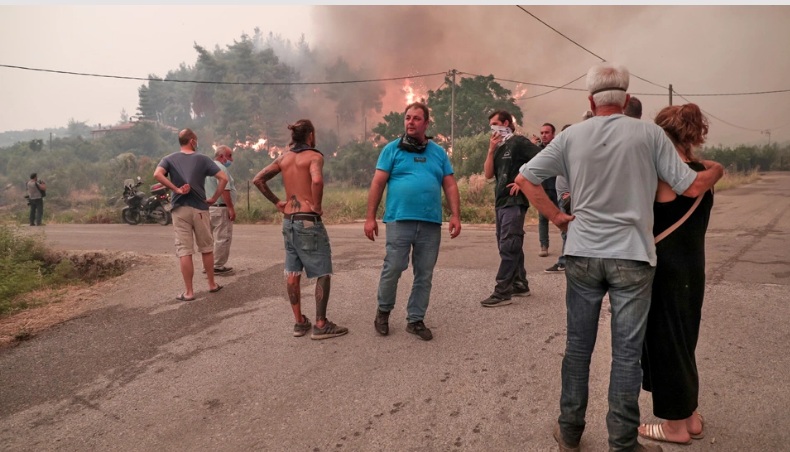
(732, 180)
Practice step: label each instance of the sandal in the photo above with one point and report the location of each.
(656, 433)
(183, 297)
(216, 289)
(701, 433)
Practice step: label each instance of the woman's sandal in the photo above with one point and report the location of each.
(701, 433)
(656, 433)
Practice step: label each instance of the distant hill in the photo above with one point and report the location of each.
(12, 137)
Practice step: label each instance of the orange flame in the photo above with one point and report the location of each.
(257, 146)
(412, 95)
(519, 91)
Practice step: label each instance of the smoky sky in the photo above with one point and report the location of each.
(699, 50)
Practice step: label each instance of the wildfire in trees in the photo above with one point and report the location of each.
(411, 93)
(257, 146)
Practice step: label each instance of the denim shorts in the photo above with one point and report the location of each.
(307, 248)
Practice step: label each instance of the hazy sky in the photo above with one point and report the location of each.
(701, 49)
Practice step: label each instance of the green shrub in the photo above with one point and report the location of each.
(21, 262)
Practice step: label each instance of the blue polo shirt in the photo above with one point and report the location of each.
(414, 188)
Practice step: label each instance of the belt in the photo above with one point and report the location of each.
(309, 216)
(219, 205)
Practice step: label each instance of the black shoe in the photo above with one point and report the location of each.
(381, 323)
(564, 447)
(495, 301)
(521, 291)
(419, 329)
(556, 268)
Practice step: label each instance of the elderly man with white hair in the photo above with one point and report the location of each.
(612, 164)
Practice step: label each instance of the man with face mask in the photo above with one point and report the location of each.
(507, 152)
(223, 212)
(187, 171)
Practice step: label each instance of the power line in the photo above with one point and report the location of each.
(211, 82)
(559, 33)
(661, 86)
(208, 82)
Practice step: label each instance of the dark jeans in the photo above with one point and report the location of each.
(629, 284)
(510, 239)
(543, 222)
(36, 211)
(564, 235)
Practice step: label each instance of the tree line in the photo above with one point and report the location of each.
(237, 113)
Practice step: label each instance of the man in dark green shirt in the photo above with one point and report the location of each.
(506, 153)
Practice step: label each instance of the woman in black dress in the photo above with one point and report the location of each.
(668, 356)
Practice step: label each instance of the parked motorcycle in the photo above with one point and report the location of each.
(140, 208)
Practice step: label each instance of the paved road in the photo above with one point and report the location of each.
(141, 371)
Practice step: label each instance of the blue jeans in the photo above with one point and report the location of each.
(510, 238)
(543, 222)
(629, 284)
(422, 239)
(307, 247)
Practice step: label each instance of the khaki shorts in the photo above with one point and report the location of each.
(186, 221)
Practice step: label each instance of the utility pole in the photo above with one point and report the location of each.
(767, 132)
(452, 110)
(670, 94)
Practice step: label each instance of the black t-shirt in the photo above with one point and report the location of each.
(508, 159)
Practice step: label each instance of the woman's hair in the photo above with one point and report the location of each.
(300, 131)
(685, 125)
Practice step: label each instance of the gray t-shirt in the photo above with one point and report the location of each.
(612, 164)
(32, 190)
(189, 169)
(212, 183)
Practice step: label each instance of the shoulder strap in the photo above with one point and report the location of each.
(685, 217)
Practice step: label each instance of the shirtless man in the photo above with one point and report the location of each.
(303, 180)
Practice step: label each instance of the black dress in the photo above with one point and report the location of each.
(668, 361)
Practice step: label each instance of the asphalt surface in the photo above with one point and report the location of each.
(142, 371)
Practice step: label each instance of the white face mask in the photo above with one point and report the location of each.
(503, 131)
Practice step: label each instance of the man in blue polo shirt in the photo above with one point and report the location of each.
(414, 170)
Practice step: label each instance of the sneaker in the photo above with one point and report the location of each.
(300, 329)
(329, 330)
(495, 301)
(381, 323)
(556, 268)
(222, 270)
(521, 291)
(544, 251)
(419, 329)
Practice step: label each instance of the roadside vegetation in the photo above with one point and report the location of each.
(28, 266)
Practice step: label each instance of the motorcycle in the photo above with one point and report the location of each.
(139, 207)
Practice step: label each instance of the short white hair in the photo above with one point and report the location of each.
(221, 149)
(608, 83)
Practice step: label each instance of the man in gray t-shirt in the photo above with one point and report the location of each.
(612, 164)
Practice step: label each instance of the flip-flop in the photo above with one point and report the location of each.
(656, 433)
(216, 289)
(183, 297)
(701, 433)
